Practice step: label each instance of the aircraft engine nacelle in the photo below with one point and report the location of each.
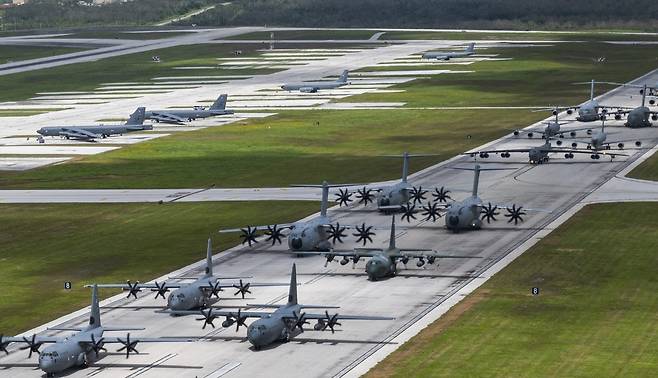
(569, 111)
(652, 102)
(638, 143)
(617, 117)
(319, 326)
(620, 145)
(559, 142)
(308, 90)
(654, 117)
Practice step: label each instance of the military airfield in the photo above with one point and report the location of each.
(558, 188)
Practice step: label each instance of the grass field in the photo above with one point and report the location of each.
(282, 150)
(46, 245)
(596, 314)
(126, 68)
(648, 170)
(25, 112)
(539, 76)
(9, 53)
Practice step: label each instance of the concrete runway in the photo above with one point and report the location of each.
(559, 186)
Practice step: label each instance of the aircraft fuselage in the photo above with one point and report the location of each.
(309, 236)
(464, 215)
(68, 353)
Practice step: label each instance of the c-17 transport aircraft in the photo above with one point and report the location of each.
(193, 295)
(180, 116)
(470, 50)
(383, 261)
(591, 110)
(83, 347)
(314, 86)
(91, 133)
(314, 234)
(286, 322)
(396, 197)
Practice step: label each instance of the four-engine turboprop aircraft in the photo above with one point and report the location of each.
(83, 347)
(316, 234)
(314, 86)
(396, 197)
(283, 324)
(91, 133)
(438, 55)
(192, 295)
(180, 116)
(383, 261)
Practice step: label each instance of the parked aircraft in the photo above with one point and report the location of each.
(314, 86)
(91, 133)
(438, 55)
(180, 116)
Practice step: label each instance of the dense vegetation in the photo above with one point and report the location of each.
(65, 13)
(516, 14)
(496, 14)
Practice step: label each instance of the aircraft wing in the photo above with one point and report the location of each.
(214, 313)
(137, 286)
(76, 133)
(167, 118)
(35, 339)
(128, 338)
(552, 150)
(257, 228)
(429, 253)
(326, 316)
(345, 253)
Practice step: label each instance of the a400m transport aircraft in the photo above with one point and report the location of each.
(286, 322)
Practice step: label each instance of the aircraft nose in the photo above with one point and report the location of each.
(453, 220)
(384, 202)
(46, 364)
(296, 243)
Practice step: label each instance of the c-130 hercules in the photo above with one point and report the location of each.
(283, 324)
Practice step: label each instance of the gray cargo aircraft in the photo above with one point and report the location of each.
(553, 129)
(469, 213)
(193, 295)
(394, 197)
(383, 261)
(281, 325)
(637, 117)
(470, 50)
(314, 234)
(83, 347)
(180, 116)
(314, 86)
(91, 133)
(591, 110)
(599, 140)
(541, 154)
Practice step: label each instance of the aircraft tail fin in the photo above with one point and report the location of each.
(95, 315)
(391, 243)
(644, 95)
(405, 166)
(209, 258)
(292, 293)
(471, 47)
(591, 90)
(137, 118)
(325, 199)
(220, 103)
(343, 77)
(476, 180)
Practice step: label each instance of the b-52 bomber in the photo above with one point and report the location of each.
(193, 295)
(83, 347)
(314, 86)
(282, 325)
(314, 234)
(396, 197)
(180, 116)
(470, 50)
(383, 261)
(91, 133)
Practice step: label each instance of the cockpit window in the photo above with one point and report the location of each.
(180, 296)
